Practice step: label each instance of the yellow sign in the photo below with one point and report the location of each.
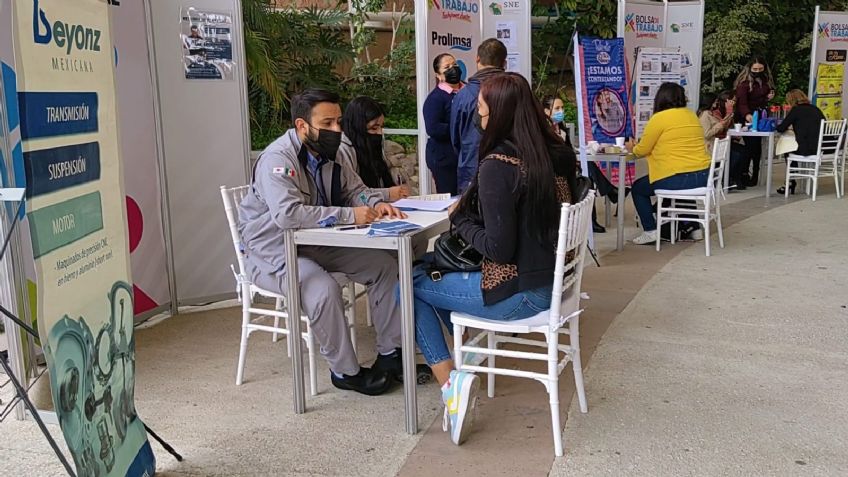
(831, 106)
(830, 78)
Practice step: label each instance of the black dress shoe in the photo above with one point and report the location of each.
(598, 228)
(367, 381)
(782, 189)
(392, 364)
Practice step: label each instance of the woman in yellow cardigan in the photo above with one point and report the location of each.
(673, 143)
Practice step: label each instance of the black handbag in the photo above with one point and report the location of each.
(452, 253)
(582, 186)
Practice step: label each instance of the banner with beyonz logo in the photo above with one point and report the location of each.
(77, 223)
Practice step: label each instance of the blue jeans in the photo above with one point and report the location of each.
(643, 190)
(435, 300)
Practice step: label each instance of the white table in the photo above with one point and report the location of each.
(622, 159)
(432, 224)
(769, 156)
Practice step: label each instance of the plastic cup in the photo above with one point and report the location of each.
(737, 127)
(619, 142)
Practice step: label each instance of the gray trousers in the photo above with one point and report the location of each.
(321, 298)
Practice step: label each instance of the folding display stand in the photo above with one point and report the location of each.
(17, 195)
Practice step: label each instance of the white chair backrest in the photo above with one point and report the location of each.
(721, 152)
(232, 198)
(831, 137)
(573, 236)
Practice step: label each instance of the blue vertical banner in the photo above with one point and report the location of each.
(605, 100)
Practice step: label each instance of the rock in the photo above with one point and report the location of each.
(396, 160)
(392, 148)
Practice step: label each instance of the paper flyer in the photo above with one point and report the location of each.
(506, 33)
(655, 66)
(207, 44)
(830, 78)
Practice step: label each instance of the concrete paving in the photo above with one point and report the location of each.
(732, 365)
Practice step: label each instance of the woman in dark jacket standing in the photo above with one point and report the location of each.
(441, 157)
(754, 89)
(510, 215)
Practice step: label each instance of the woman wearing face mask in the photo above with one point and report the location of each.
(362, 148)
(510, 215)
(754, 89)
(441, 156)
(555, 109)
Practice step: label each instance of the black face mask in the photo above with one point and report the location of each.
(327, 144)
(758, 75)
(478, 122)
(453, 75)
(375, 143)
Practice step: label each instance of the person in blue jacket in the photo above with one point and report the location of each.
(465, 122)
(440, 155)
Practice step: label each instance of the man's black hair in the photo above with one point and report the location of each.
(303, 103)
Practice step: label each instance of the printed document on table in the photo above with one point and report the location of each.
(426, 205)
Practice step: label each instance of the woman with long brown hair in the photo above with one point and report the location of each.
(510, 215)
(754, 89)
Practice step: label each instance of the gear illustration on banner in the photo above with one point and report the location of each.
(95, 396)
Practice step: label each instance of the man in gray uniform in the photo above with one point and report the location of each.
(297, 184)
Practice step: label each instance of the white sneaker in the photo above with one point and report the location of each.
(473, 359)
(646, 238)
(460, 399)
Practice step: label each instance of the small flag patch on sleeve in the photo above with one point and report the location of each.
(286, 171)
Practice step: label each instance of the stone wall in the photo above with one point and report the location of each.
(403, 164)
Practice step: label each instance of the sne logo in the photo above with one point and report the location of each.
(456, 9)
(679, 27)
(498, 8)
(68, 37)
